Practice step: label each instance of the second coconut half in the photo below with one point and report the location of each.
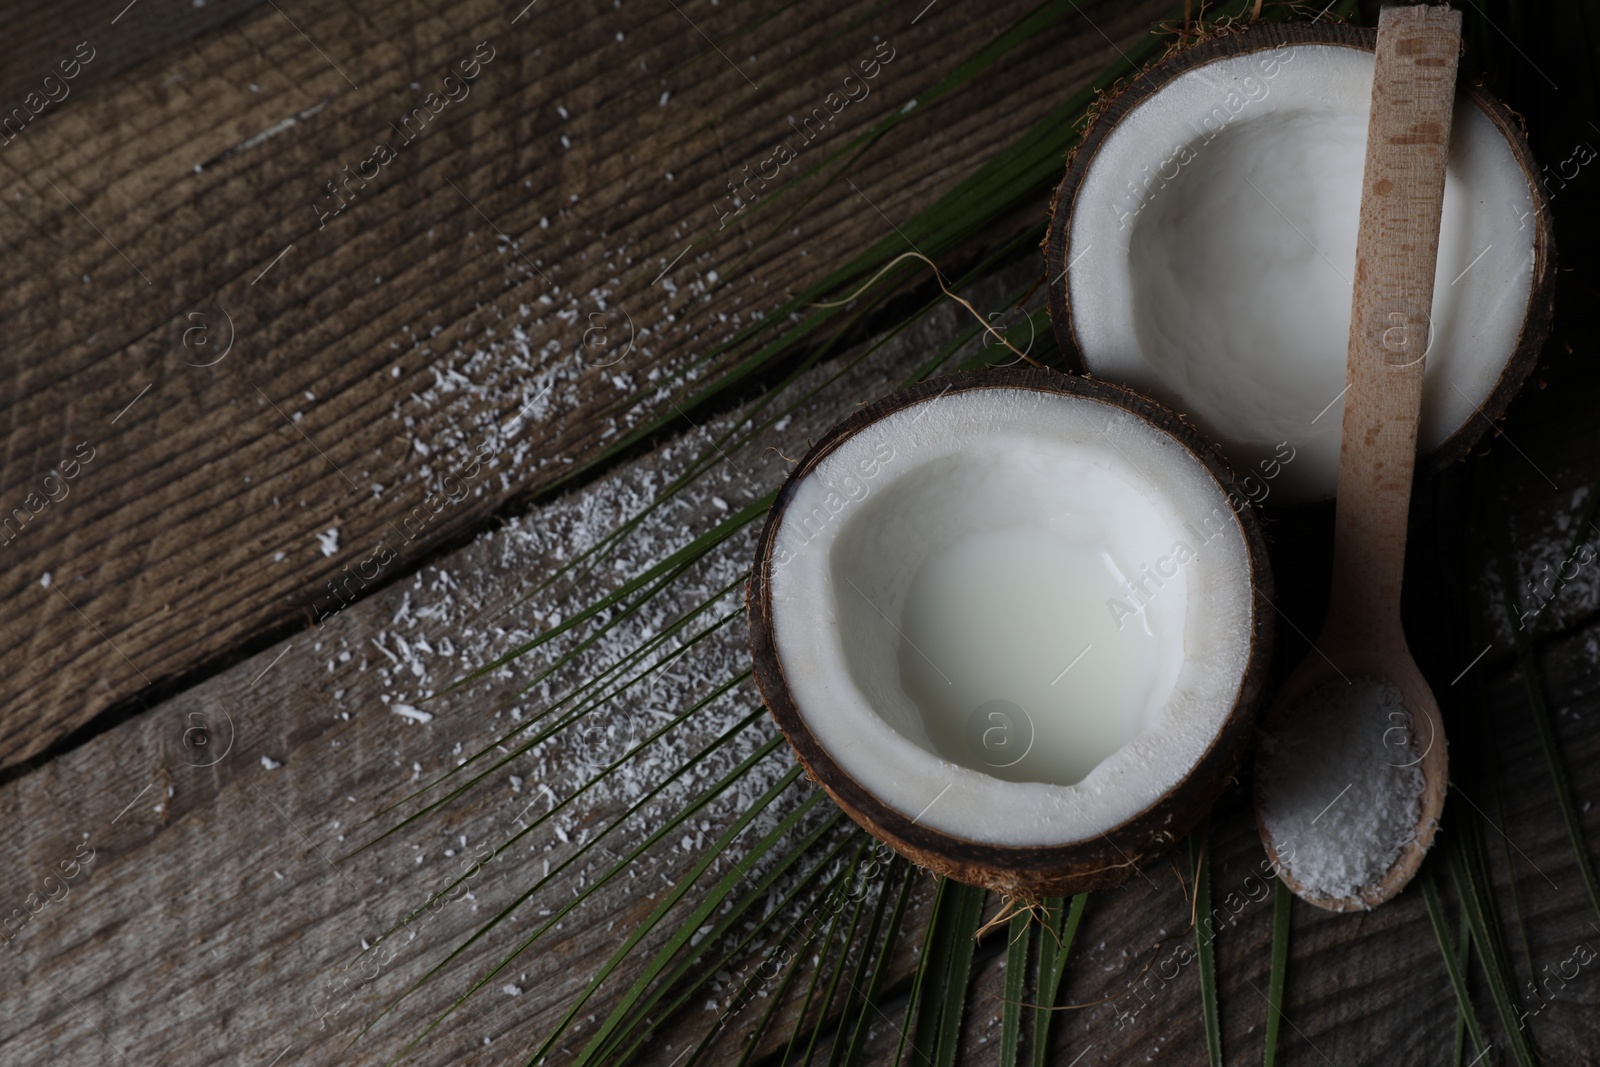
(1017, 624)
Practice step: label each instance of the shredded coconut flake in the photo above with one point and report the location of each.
(1341, 786)
(411, 713)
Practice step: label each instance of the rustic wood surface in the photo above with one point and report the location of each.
(169, 706)
(225, 821)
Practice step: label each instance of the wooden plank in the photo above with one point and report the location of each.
(156, 219)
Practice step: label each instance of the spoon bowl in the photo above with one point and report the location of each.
(1423, 746)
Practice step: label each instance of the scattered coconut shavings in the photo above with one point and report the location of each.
(510, 375)
(1554, 584)
(443, 624)
(440, 626)
(328, 541)
(1341, 786)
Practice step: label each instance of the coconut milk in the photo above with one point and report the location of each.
(1015, 662)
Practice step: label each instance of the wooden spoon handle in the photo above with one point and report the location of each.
(1402, 194)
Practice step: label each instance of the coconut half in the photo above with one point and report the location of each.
(1016, 623)
(1202, 250)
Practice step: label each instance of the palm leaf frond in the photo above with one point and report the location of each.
(1205, 941)
(1474, 890)
(1018, 936)
(1466, 1013)
(1282, 911)
(1055, 946)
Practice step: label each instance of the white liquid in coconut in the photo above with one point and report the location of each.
(1015, 661)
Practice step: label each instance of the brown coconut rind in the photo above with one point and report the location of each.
(1026, 873)
(1263, 37)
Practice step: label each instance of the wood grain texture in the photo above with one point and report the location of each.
(225, 885)
(39, 37)
(155, 219)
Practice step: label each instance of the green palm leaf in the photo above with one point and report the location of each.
(1205, 941)
(1055, 945)
(1282, 911)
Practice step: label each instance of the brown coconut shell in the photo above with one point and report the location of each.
(1026, 873)
(1264, 37)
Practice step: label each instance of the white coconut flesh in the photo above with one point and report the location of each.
(1212, 250)
(1014, 616)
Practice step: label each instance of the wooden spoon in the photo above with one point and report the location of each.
(1413, 92)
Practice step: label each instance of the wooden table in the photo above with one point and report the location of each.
(317, 352)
